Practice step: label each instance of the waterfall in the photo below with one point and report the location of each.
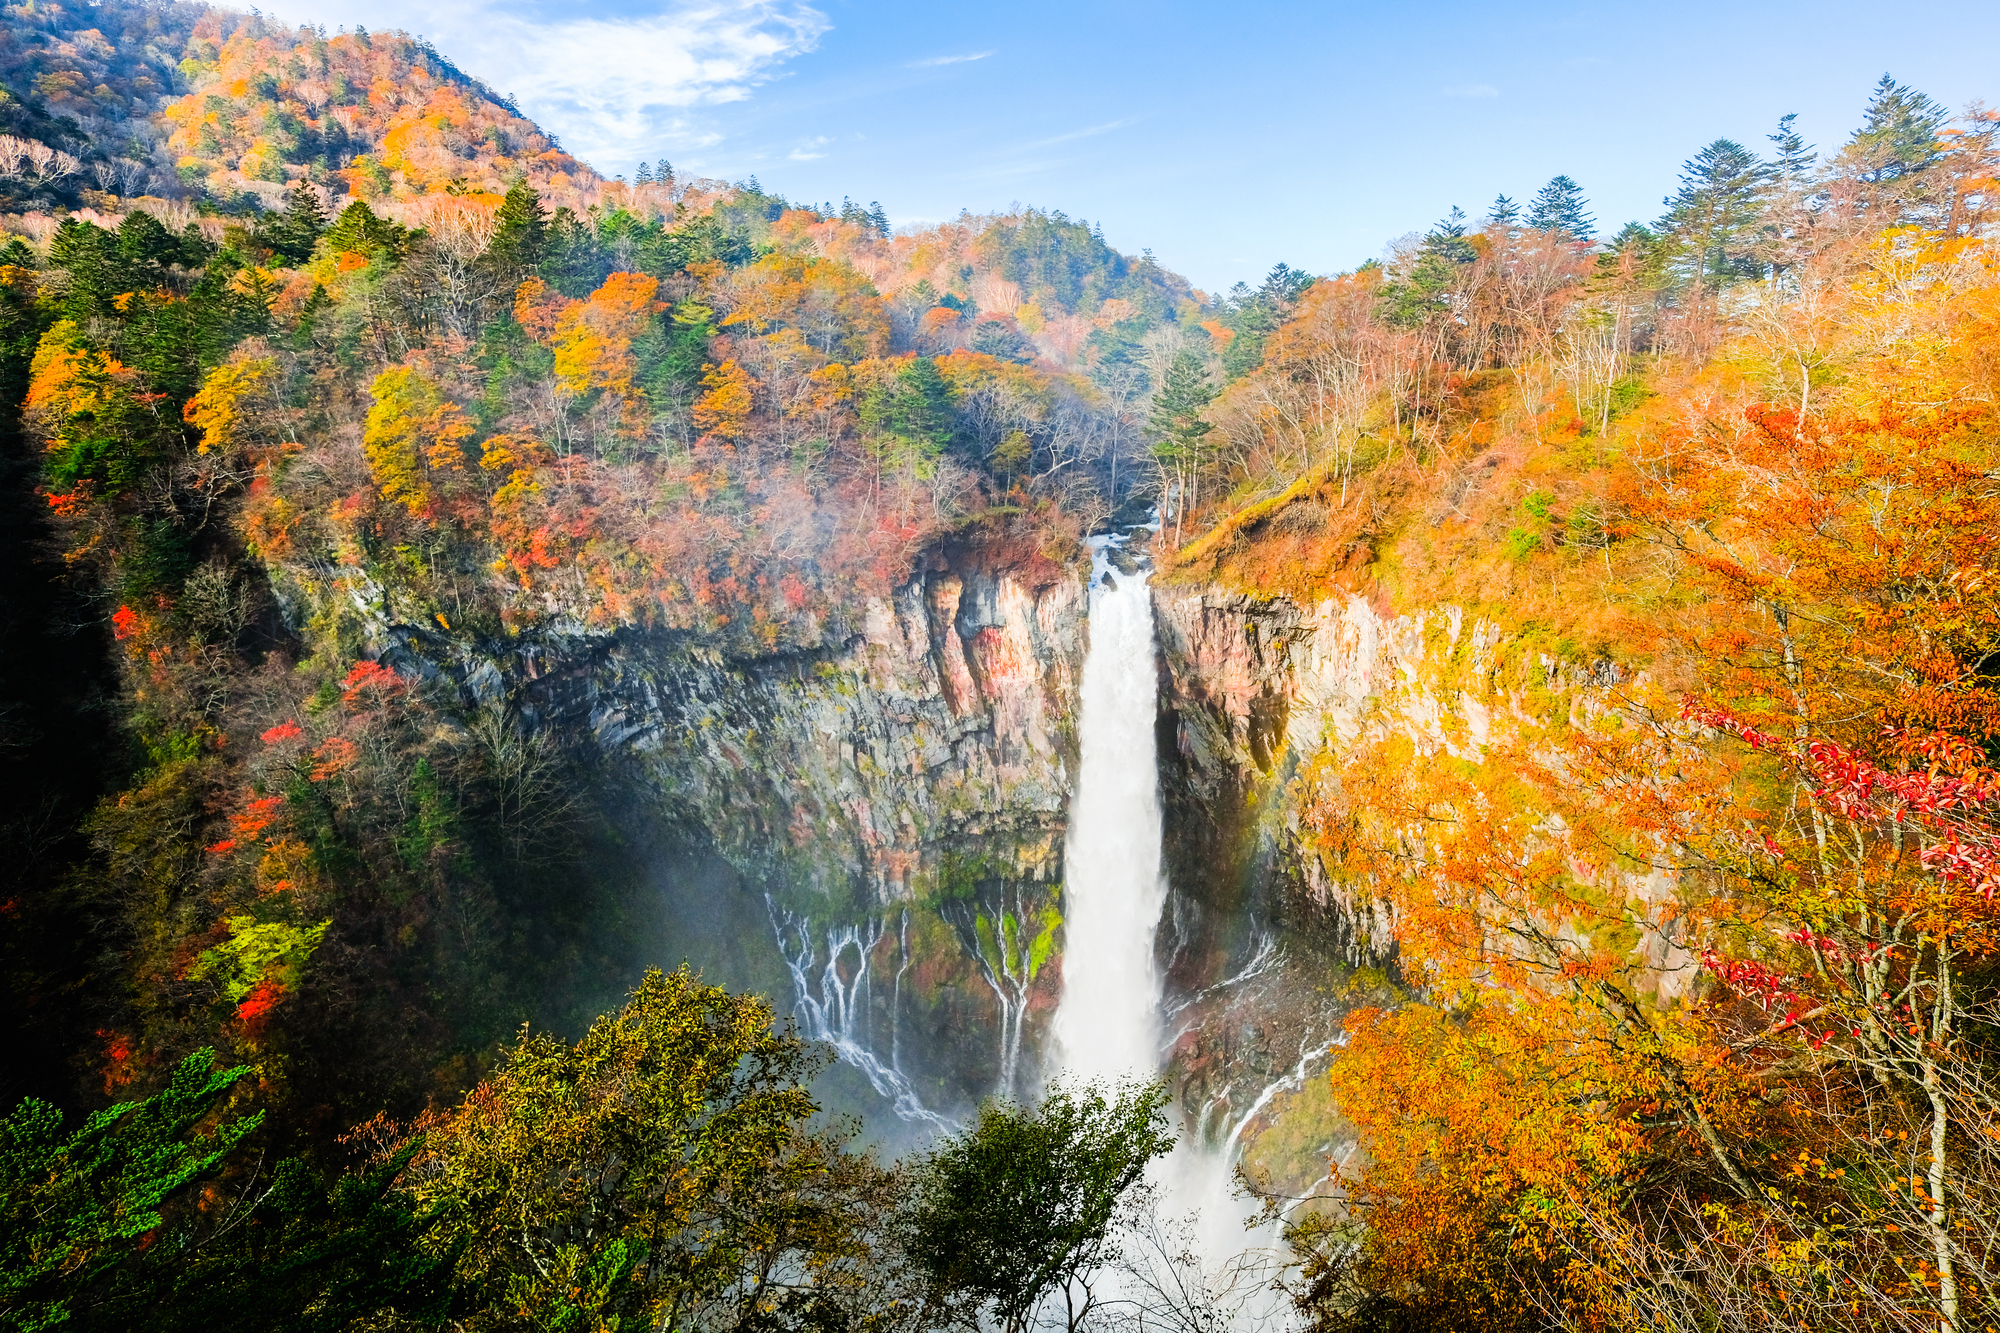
(1111, 1022)
(1002, 944)
(1107, 1024)
(835, 1010)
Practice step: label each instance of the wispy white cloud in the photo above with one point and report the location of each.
(809, 150)
(1094, 130)
(948, 60)
(612, 88)
(1472, 90)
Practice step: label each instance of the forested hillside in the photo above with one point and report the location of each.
(331, 381)
(1686, 821)
(350, 345)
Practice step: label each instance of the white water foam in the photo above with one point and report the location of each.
(836, 1009)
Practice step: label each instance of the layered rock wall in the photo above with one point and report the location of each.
(892, 797)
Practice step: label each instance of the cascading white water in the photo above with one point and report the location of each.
(836, 1009)
(1107, 1024)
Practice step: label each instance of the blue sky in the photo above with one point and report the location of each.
(1223, 136)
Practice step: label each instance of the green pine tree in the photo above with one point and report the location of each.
(78, 1205)
(1792, 157)
(1712, 222)
(1177, 428)
(521, 236)
(907, 424)
(1434, 280)
(292, 234)
(358, 230)
(1560, 206)
(1898, 135)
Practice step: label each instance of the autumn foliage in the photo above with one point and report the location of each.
(1692, 873)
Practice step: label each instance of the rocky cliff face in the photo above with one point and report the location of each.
(891, 799)
(1252, 689)
(891, 802)
(1267, 950)
(928, 751)
(1263, 957)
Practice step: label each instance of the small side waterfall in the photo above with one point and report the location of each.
(1001, 944)
(835, 1009)
(1107, 1024)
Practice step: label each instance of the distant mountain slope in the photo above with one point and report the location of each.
(195, 105)
(181, 99)
(90, 80)
(375, 116)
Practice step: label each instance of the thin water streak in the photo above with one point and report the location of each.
(837, 1011)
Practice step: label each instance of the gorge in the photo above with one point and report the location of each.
(589, 754)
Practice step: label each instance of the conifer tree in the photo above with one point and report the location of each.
(1504, 212)
(521, 238)
(359, 230)
(1429, 286)
(999, 339)
(1898, 135)
(1791, 156)
(293, 233)
(1714, 216)
(1177, 428)
(1560, 206)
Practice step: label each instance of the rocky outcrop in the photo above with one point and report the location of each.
(892, 797)
(922, 749)
(1264, 939)
(1252, 689)
(927, 752)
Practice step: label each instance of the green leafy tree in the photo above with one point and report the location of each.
(657, 1174)
(300, 1255)
(79, 1204)
(907, 422)
(1024, 1207)
(98, 1229)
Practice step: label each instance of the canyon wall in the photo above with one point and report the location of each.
(872, 821)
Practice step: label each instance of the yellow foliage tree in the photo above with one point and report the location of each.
(723, 410)
(413, 432)
(831, 305)
(593, 338)
(217, 407)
